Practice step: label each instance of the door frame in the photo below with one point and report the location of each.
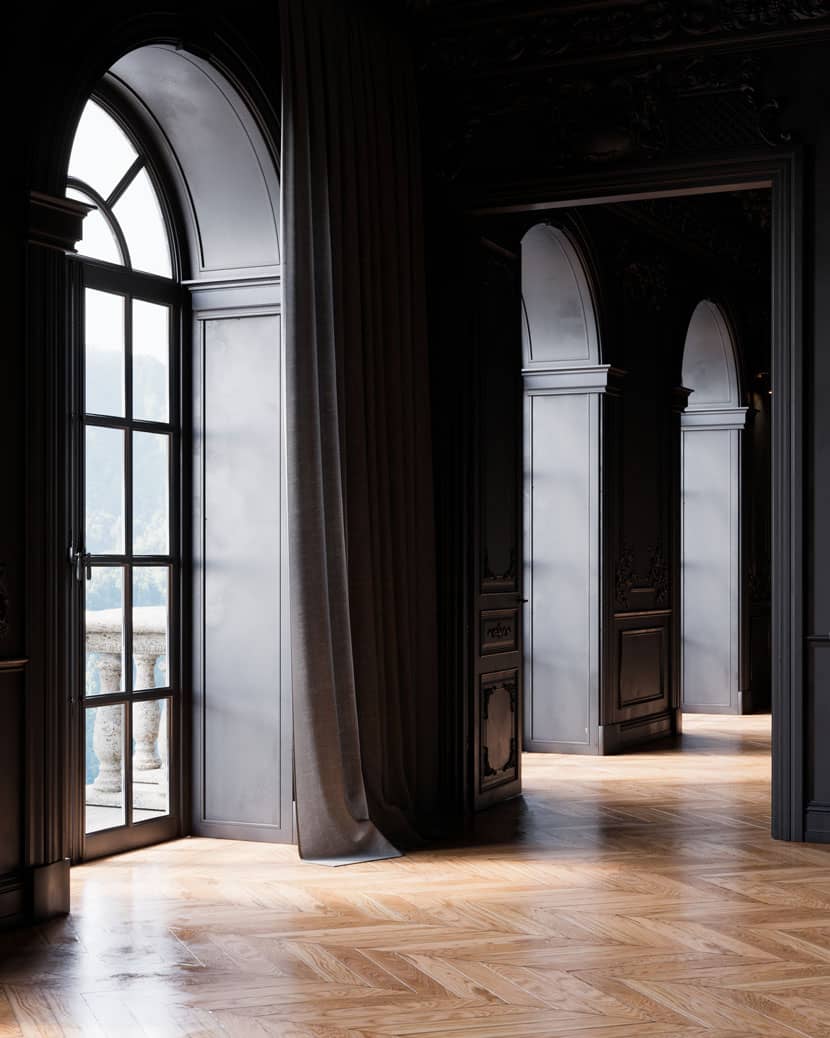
(782, 172)
(84, 846)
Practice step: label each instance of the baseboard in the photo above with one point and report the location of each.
(12, 899)
(817, 823)
(749, 702)
(709, 708)
(49, 885)
(626, 735)
(542, 746)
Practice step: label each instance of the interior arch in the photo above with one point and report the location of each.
(559, 327)
(710, 366)
(223, 168)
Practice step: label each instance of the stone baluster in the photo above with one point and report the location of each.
(107, 736)
(146, 717)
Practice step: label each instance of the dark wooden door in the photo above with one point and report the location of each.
(497, 595)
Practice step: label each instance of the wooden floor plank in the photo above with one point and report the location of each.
(622, 897)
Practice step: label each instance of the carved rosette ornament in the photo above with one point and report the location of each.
(658, 575)
(624, 578)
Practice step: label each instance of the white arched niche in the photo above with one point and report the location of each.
(221, 171)
(564, 384)
(711, 504)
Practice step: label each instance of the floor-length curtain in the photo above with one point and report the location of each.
(360, 493)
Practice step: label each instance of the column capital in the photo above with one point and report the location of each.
(715, 418)
(55, 223)
(680, 398)
(594, 378)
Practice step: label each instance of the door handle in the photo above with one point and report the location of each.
(80, 561)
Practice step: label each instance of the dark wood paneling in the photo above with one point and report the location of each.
(499, 631)
(642, 664)
(497, 648)
(642, 667)
(499, 733)
(12, 788)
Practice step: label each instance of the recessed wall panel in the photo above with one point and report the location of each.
(561, 581)
(710, 577)
(242, 571)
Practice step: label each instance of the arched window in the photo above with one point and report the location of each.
(127, 452)
(126, 226)
(179, 525)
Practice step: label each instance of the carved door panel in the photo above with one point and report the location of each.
(497, 646)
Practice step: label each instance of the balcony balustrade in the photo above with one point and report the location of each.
(104, 646)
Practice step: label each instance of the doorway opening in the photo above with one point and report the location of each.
(639, 527)
(648, 582)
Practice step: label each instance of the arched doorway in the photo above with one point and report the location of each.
(713, 612)
(210, 719)
(564, 390)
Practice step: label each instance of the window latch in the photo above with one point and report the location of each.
(80, 561)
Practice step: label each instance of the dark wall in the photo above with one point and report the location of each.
(803, 80)
(522, 105)
(657, 260)
(12, 555)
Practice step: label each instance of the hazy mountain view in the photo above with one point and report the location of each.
(105, 497)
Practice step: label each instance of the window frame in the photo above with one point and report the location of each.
(122, 279)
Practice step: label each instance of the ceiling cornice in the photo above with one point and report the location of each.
(469, 38)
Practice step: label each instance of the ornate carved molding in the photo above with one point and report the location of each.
(488, 38)
(606, 115)
(508, 767)
(56, 223)
(624, 577)
(658, 575)
(510, 686)
(491, 580)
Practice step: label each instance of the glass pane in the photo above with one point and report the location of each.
(104, 462)
(101, 152)
(150, 627)
(104, 767)
(151, 360)
(98, 241)
(151, 775)
(139, 215)
(151, 513)
(104, 353)
(104, 605)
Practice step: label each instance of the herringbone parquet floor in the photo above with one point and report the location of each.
(624, 897)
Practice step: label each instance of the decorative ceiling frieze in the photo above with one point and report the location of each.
(601, 115)
(493, 37)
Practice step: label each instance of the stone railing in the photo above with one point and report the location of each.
(104, 643)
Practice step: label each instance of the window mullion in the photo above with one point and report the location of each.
(128, 495)
(125, 182)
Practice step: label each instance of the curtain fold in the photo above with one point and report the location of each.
(358, 436)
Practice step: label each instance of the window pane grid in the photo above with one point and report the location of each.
(130, 688)
(106, 171)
